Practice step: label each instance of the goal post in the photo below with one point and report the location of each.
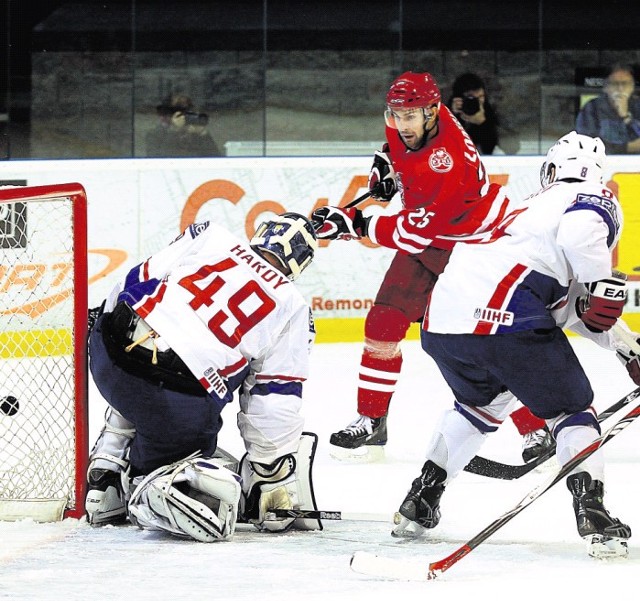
(43, 352)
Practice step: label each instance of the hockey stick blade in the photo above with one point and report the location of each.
(504, 471)
(435, 568)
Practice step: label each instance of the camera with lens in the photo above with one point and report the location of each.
(195, 118)
(470, 105)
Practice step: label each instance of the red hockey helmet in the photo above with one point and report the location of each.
(413, 90)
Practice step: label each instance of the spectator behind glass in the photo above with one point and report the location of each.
(470, 104)
(615, 115)
(181, 131)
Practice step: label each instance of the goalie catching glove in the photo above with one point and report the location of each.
(284, 484)
(604, 302)
(382, 178)
(338, 223)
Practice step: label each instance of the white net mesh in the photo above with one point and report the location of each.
(37, 369)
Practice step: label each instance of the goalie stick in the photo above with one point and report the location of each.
(313, 514)
(374, 565)
(504, 471)
(310, 514)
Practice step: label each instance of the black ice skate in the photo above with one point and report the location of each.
(606, 536)
(105, 502)
(420, 510)
(535, 443)
(362, 440)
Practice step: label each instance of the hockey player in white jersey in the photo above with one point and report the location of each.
(493, 326)
(206, 316)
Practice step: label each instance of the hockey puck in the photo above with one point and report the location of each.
(9, 405)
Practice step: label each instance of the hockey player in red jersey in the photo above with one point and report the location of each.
(445, 191)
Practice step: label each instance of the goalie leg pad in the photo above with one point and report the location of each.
(284, 484)
(108, 472)
(196, 498)
(306, 496)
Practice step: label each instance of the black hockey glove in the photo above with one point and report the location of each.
(382, 178)
(338, 223)
(603, 303)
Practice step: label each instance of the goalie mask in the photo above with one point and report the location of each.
(574, 156)
(290, 239)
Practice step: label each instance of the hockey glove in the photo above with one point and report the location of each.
(268, 487)
(632, 362)
(382, 178)
(604, 302)
(337, 223)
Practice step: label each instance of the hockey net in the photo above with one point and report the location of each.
(43, 329)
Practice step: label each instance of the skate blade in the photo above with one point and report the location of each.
(605, 547)
(363, 454)
(405, 528)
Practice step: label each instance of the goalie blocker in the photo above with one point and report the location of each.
(203, 499)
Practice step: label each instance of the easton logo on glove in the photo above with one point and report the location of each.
(604, 302)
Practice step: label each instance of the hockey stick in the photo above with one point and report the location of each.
(358, 200)
(374, 565)
(504, 471)
(310, 514)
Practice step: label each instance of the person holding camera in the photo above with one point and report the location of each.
(615, 115)
(181, 131)
(470, 104)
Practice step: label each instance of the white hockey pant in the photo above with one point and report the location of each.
(112, 447)
(456, 440)
(573, 439)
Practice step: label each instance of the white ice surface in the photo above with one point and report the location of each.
(537, 555)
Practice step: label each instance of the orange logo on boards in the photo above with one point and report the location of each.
(31, 276)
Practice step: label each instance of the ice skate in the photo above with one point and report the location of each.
(535, 444)
(363, 440)
(106, 498)
(420, 511)
(108, 473)
(606, 537)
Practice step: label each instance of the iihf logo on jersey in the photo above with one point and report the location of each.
(440, 160)
(504, 318)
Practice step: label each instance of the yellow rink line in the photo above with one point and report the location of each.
(51, 342)
(54, 342)
(352, 329)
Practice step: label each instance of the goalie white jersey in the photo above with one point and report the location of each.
(518, 276)
(234, 319)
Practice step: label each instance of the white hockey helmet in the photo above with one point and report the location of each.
(574, 156)
(290, 238)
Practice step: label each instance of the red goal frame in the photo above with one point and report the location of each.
(78, 197)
